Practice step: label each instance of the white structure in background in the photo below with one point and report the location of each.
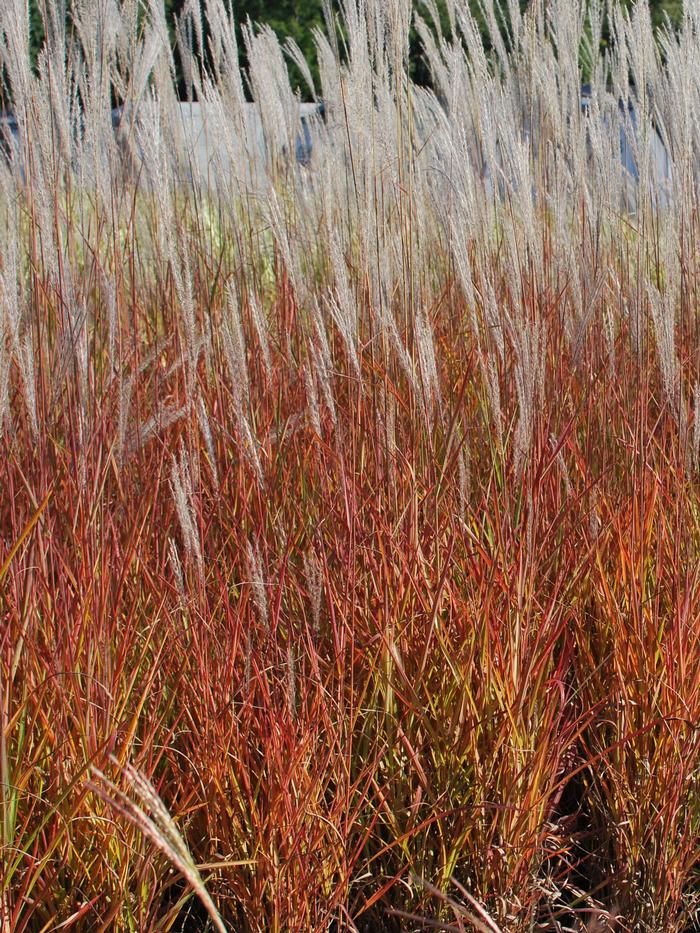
(208, 145)
(203, 149)
(603, 141)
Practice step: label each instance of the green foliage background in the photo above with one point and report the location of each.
(296, 18)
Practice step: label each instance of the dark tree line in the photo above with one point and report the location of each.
(297, 19)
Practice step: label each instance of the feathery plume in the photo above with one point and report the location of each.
(183, 495)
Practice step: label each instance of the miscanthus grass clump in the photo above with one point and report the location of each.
(349, 514)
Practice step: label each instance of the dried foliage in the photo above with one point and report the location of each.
(349, 527)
